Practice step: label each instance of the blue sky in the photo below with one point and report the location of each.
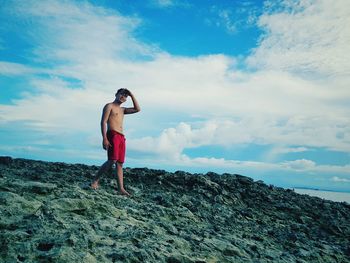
(258, 88)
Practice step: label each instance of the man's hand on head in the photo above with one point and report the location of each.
(128, 92)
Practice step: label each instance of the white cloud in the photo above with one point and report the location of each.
(180, 84)
(338, 179)
(168, 148)
(281, 149)
(47, 153)
(170, 3)
(163, 3)
(292, 150)
(71, 32)
(251, 168)
(173, 141)
(215, 163)
(226, 19)
(306, 37)
(9, 69)
(232, 18)
(300, 164)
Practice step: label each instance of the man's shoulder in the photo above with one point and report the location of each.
(108, 105)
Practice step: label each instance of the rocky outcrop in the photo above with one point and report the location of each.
(50, 214)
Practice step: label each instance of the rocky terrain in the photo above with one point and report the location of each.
(48, 213)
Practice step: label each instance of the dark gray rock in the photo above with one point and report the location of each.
(50, 214)
(5, 160)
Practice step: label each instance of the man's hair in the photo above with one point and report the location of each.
(125, 91)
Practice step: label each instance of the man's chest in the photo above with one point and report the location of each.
(116, 113)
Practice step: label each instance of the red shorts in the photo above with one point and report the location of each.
(116, 152)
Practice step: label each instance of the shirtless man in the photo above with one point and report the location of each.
(113, 137)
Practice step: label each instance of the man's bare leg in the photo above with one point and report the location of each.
(103, 169)
(121, 179)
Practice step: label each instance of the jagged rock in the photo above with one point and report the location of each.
(5, 160)
(48, 213)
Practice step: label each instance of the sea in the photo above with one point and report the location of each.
(328, 195)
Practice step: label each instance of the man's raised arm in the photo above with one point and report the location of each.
(136, 107)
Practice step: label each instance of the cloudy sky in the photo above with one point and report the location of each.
(259, 88)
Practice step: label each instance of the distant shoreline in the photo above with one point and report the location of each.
(335, 196)
(318, 189)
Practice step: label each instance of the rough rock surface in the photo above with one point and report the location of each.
(48, 213)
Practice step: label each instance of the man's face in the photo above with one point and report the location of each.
(122, 96)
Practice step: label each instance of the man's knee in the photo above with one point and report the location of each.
(119, 164)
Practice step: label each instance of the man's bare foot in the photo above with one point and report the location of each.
(94, 185)
(123, 192)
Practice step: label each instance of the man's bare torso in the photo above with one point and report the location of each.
(115, 118)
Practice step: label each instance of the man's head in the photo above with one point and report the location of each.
(122, 95)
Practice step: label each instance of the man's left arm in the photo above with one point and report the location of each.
(136, 107)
